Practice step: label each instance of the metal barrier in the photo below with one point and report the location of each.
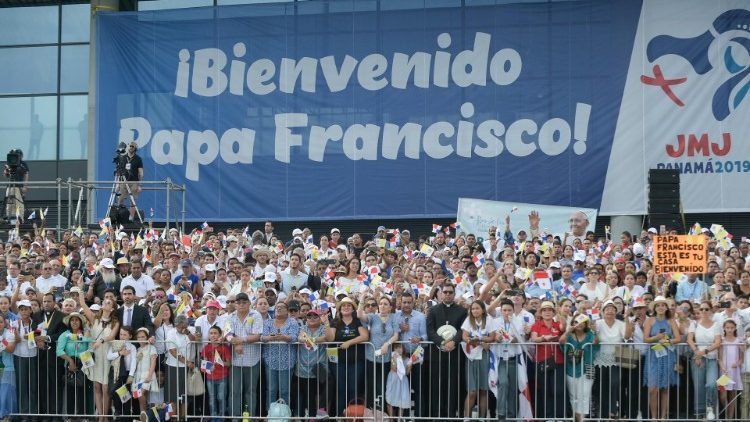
(77, 190)
(623, 381)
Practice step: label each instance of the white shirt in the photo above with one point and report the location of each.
(44, 285)
(600, 293)
(181, 343)
(288, 280)
(22, 348)
(503, 350)
(607, 334)
(704, 337)
(202, 322)
(142, 286)
(260, 272)
(130, 359)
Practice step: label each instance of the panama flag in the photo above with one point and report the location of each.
(170, 412)
(207, 366)
(492, 376)
(436, 228)
(478, 260)
(204, 226)
(137, 390)
(524, 393)
(542, 279)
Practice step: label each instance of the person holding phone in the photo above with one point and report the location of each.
(659, 374)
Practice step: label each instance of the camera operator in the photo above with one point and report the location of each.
(17, 171)
(133, 173)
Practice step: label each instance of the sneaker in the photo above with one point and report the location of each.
(710, 413)
(321, 414)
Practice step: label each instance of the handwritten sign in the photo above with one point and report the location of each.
(680, 254)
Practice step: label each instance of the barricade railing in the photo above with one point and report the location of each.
(626, 381)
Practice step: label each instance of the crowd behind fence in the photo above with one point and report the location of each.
(310, 380)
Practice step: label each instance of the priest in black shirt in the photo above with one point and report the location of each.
(49, 323)
(445, 356)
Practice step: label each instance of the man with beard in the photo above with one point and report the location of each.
(105, 279)
(49, 323)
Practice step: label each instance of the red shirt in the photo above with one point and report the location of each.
(547, 351)
(218, 372)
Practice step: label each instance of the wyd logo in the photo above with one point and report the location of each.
(730, 36)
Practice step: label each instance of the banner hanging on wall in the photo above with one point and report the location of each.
(317, 110)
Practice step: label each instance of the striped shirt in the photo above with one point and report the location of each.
(252, 324)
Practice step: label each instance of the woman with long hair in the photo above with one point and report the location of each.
(347, 330)
(704, 339)
(477, 336)
(384, 332)
(8, 400)
(578, 343)
(659, 373)
(104, 328)
(163, 321)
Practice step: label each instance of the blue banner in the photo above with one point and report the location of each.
(304, 111)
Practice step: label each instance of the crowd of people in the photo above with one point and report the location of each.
(232, 324)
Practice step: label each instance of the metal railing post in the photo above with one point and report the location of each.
(59, 208)
(70, 193)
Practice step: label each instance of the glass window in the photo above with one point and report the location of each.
(76, 20)
(28, 25)
(74, 119)
(30, 123)
(172, 4)
(29, 70)
(232, 2)
(74, 75)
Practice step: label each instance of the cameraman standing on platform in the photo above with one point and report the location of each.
(17, 171)
(133, 174)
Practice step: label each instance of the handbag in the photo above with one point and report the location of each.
(279, 411)
(74, 379)
(195, 386)
(627, 356)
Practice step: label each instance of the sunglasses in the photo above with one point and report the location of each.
(230, 301)
(705, 309)
(371, 305)
(312, 316)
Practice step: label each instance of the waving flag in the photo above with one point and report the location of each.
(137, 390)
(542, 279)
(32, 215)
(206, 366)
(186, 243)
(524, 393)
(492, 376)
(170, 412)
(417, 356)
(204, 226)
(123, 393)
(426, 250)
(436, 228)
(478, 260)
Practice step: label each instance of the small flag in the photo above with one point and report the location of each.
(44, 214)
(380, 243)
(426, 250)
(137, 390)
(478, 260)
(436, 228)
(594, 314)
(32, 215)
(492, 375)
(417, 356)
(204, 226)
(206, 366)
(217, 358)
(542, 279)
(123, 393)
(170, 411)
(309, 239)
(78, 232)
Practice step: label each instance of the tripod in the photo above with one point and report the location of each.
(13, 200)
(120, 181)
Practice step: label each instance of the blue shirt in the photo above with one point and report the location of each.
(690, 291)
(417, 328)
(281, 356)
(380, 332)
(193, 279)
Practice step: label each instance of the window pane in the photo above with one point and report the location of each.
(28, 25)
(75, 68)
(74, 119)
(30, 123)
(31, 70)
(233, 2)
(76, 20)
(172, 4)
